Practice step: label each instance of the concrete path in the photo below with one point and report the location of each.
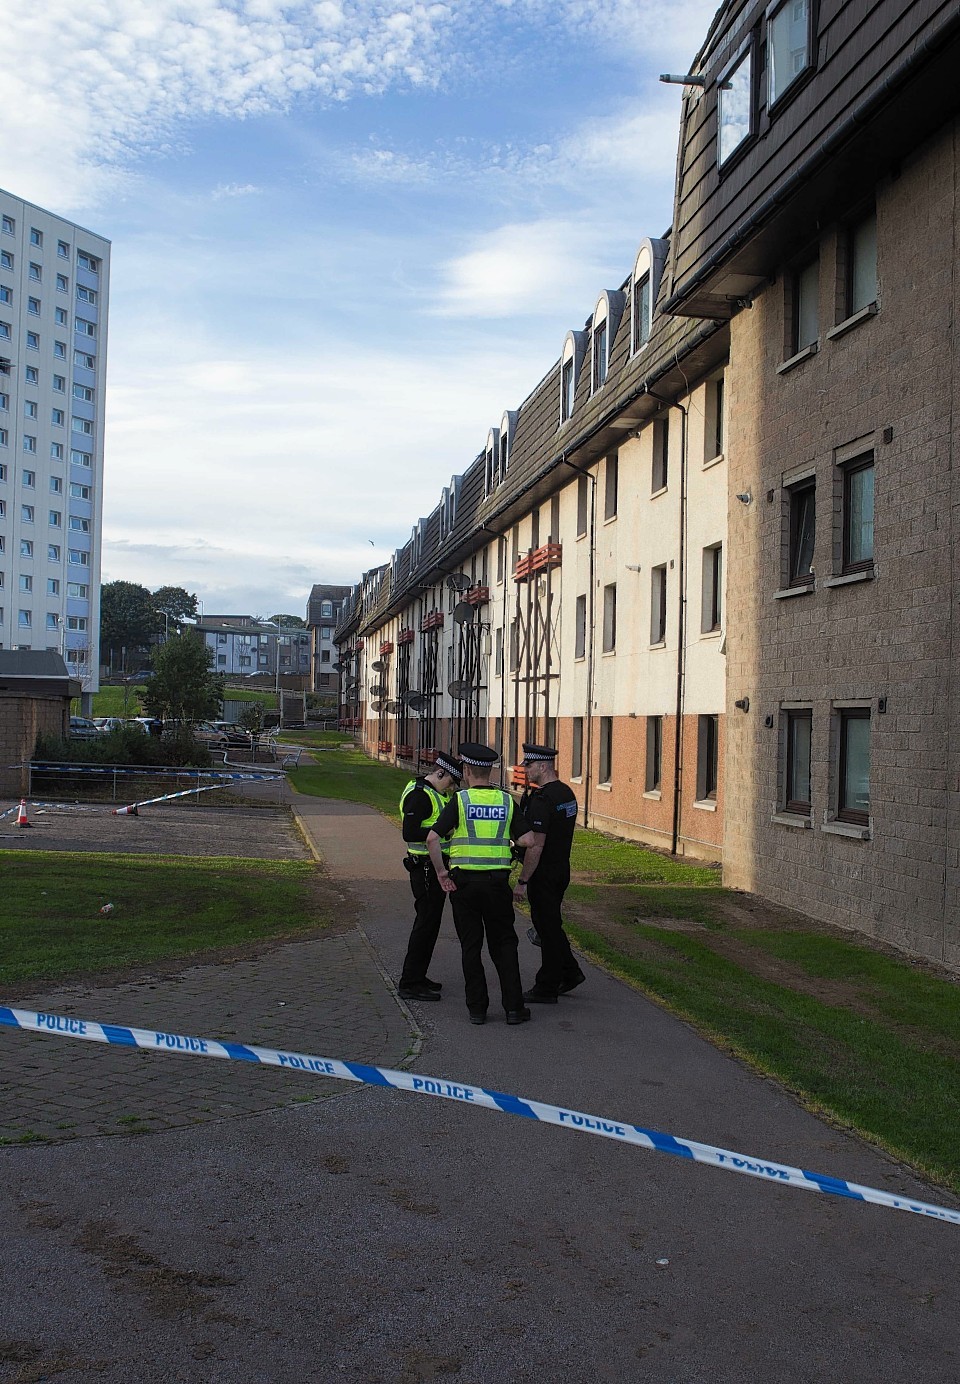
(379, 1236)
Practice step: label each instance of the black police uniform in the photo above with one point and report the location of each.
(483, 905)
(428, 897)
(551, 809)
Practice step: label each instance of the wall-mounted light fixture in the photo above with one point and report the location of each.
(745, 497)
(742, 703)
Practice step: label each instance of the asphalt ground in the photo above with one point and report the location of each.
(381, 1236)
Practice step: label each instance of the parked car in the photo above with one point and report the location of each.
(207, 734)
(105, 724)
(82, 728)
(236, 735)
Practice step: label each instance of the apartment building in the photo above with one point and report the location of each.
(242, 645)
(323, 616)
(54, 289)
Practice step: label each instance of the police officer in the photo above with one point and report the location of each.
(480, 822)
(550, 807)
(421, 803)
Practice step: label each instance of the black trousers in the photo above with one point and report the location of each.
(428, 900)
(558, 962)
(483, 906)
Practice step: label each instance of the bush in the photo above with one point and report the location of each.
(127, 745)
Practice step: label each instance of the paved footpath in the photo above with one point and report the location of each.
(381, 1236)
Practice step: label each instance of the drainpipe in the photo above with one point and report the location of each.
(681, 621)
(587, 747)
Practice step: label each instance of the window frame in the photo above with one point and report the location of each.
(793, 717)
(610, 618)
(660, 461)
(605, 747)
(653, 763)
(798, 299)
(776, 102)
(848, 469)
(849, 240)
(611, 484)
(747, 52)
(658, 605)
(708, 757)
(795, 493)
(845, 812)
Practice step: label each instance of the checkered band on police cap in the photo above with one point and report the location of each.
(449, 765)
(480, 756)
(534, 753)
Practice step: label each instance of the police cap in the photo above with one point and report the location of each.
(480, 756)
(533, 754)
(449, 765)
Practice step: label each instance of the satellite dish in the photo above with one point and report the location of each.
(460, 691)
(379, 666)
(458, 581)
(416, 701)
(375, 706)
(337, 667)
(394, 708)
(378, 690)
(463, 614)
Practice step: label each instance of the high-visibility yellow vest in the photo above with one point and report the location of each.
(482, 837)
(437, 804)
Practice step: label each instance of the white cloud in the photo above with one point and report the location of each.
(223, 190)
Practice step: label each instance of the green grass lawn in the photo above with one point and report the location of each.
(163, 907)
(266, 698)
(322, 739)
(114, 701)
(349, 774)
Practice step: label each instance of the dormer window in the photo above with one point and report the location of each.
(416, 543)
(606, 321)
(507, 425)
(735, 106)
(789, 46)
(645, 285)
(574, 349)
(448, 507)
(491, 462)
(599, 360)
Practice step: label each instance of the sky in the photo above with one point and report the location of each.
(346, 236)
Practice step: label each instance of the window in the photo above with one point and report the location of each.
(661, 454)
(56, 450)
(56, 518)
(25, 619)
(610, 618)
(63, 249)
(9, 225)
(853, 798)
(708, 728)
(735, 107)
(26, 547)
(57, 417)
(52, 621)
(63, 283)
(326, 610)
(221, 658)
(4, 437)
(641, 312)
(86, 295)
(566, 390)
(4, 402)
(491, 464)
(610, 481)
(85, 261)
(583, 504)
(658, 605)
(32, 375)
(6, 294)
(60, 316)
(60, 350)
(6, 259)
(802, 500)
(29, 443)
(4, 331)
(712, 598)
(59, 384)
(56, 485)
(78, 558)
(514, 645)
(576, 758)
(84, 360)
(53, 552)
(580, 647)
(77, 590)
(861, 249)
(498, 654)
(26, 583)
(805, 310)
(53, 586)
(29, 409)
(78, 458)
(33, 307)
(714, 422)
(85, 328)
(799, 736)
(324, 655)
(606, 749)
(76, 622)
(33, 341)
(84, 392)
(30, 479)
(82, 425)
(788, 46)
(26, 514)
(599, 355)
(36, 237)
(858, 515)
(35, 273)
(654, 767)
(79, 492)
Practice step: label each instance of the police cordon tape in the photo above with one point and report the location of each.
(783, 1174)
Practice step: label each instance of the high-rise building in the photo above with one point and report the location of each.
(54, 284)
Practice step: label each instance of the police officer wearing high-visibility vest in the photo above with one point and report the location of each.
(421, 803)
(479, 823)
(550, 807)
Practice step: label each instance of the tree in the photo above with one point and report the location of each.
(173, 605)
(183, 686)
(291, 622)
(128, 621)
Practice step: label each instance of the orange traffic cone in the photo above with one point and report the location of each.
(130, 811)
(22, 819)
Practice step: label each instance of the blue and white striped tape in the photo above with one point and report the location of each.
(781, 1173)
(68, 770)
